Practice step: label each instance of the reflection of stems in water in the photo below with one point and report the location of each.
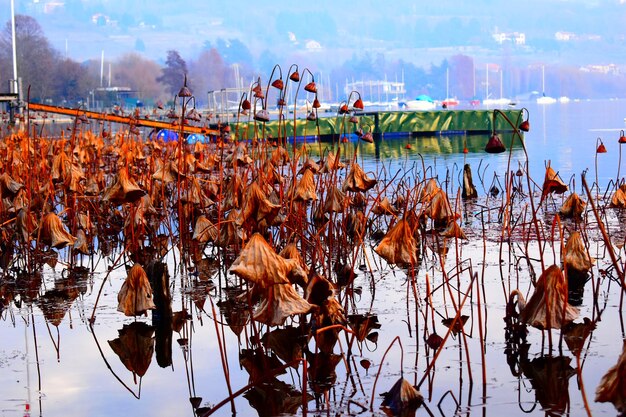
(57, 344)
(37, 360)
(454, 321)
(609, 247)
(582, 384)
(382, 360)
(111, 269)
(106, 362)
(265, 378)
(222, 357)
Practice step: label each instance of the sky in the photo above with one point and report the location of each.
(330, 32)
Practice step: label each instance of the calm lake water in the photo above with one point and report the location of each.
(55, 364)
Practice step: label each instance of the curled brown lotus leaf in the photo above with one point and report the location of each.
(278, 302)
(399, 246)
(51, 232)
(454, 231)
(439, 209)
(458, 324)
(25, 224)
(92, 188)
(402, 397)
(203, 165)
(318, 290)
(193, 194)
(548, 307)
(14, 204)
(135, 296)
(61, 167)
(310, 165)
(280, 156)
(357, 180)
(428, 191)
(575, 254)
(231, 232)
(573, 207)
(164, 173)
(334, 200)
(290, 251)
(286, 343)
(331, 163)
(384, 206)
(81, 244)
(612, 387)
(234, 193)
(239, 155)
(618, 200)
(123, 190)
(8, 186)
(356, 225)
(204, 230)
(258, 263)
(305, 188)
(552, 183)
(74, 181)
(257, 206)
(269, 173)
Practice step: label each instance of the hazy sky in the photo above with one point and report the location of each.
(325, 30)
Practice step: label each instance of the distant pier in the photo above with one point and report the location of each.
(382, 124)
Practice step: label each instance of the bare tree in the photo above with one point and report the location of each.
(35, 56)
(209, 72)
(140, 74)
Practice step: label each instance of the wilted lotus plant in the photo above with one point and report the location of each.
(135, 296)
(399, 246)
(548, 306)
(269, 272)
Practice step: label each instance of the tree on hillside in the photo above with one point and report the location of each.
(173, 74)
(35, 57)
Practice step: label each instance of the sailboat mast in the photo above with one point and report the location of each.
(14, 51)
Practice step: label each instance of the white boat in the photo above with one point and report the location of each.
(544, 99)
(418, 104)
(564, 99)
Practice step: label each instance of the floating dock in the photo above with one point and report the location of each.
(381, 124)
